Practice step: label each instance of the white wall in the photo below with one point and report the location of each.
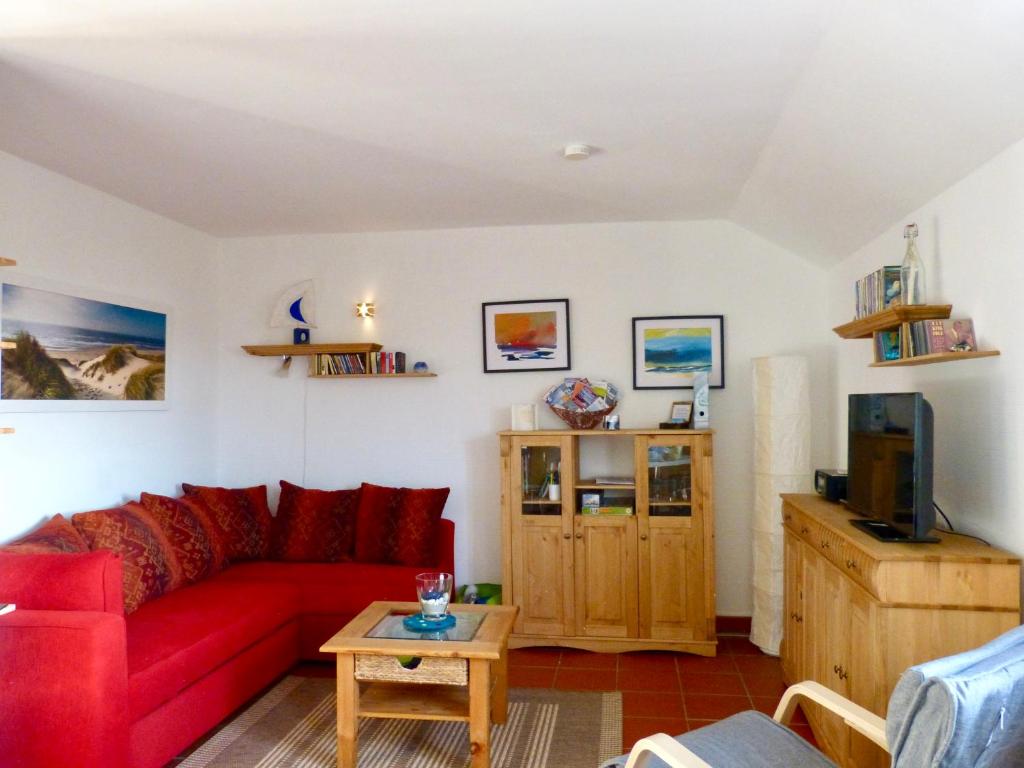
(971, 238)
(429, 286)
(61, 231)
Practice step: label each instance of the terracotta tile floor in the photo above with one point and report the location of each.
(661, 691)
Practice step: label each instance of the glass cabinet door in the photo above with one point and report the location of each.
(669, 480)
(541, 483)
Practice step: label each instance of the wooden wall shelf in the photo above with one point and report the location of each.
(305, 350)
(935, 357)
(866, 327)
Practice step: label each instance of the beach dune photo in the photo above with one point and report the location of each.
(63, 347)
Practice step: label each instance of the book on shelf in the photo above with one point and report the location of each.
(887, 345)
(613, 480)
(928, 337)
(878, 291)
(607, 510)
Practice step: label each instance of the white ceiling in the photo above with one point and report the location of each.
(816, 124)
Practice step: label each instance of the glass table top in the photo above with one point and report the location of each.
(466, 626)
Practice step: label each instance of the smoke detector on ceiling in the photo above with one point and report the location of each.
(577, 151)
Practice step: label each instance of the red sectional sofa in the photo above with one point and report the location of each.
(83, 684)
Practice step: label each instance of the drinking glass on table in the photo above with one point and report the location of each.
(434, 591)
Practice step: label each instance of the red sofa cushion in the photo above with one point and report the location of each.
(315, 526)
(241, 516)
(71, 581)
(376, 523)
(191, 533)
(149, 565)
(55, 535)
(174, 641)
(418, 513)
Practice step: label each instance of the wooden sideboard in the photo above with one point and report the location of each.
(859, 611)
(637, 580)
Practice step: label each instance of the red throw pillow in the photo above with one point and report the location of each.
(55, 535)
(377, 523)
(241, 516)
(419, 510)
(192, 534)
(150, 567)
(315, 526)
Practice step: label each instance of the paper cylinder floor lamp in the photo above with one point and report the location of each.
(782, 464)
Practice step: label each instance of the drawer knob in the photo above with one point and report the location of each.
(851, 564)
(579, 535)
(566, 535)
(643, 537)
(843, 674)
(835, 668)
(804, 529)
(824, 545)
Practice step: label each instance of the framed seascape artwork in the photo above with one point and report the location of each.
(668, 351)
(526, 335)
(68, 349)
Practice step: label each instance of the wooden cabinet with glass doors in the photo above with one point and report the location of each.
(620, 556)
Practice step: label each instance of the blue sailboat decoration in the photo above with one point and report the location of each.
(296, 308)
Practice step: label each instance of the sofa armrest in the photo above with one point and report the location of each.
(63, 581)
(63, 688)
(445, 548)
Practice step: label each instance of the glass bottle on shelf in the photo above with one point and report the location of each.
(554, 483)
(911, 270)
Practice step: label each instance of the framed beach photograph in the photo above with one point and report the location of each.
(668, 351)
(530, 335)
(70, 349)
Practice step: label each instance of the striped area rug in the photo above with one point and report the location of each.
(293, 726)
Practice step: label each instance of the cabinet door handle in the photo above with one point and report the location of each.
(843, 674)
(579, 535)
(799, 619)
(835, 668)
(851, 564)
(804, 529)
(566, 535)
(787, 517)
(643, 537)
(824, 545)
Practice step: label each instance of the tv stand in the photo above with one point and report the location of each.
(884, 531)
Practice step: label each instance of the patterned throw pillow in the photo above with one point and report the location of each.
(419, 510)
(315, 526)
(55, 535)
(241, 516)
(192, 535)
(150, 567)
(377, 523)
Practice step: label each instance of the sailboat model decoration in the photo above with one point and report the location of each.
(296, 308)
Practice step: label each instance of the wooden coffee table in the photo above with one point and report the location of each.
(462, 674)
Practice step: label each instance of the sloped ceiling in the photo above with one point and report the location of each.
(815, 124)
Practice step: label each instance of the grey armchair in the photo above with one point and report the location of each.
(962, 711)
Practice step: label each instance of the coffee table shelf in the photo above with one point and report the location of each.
(415, 701)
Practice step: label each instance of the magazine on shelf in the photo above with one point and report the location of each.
(613, 480)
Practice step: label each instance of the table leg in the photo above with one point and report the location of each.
(348, 711)
(499, 700)
(479, 713)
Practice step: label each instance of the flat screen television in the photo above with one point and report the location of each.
(889, 480)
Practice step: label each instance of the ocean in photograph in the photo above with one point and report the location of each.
(677, 350)
(526, 335)
(71, 348)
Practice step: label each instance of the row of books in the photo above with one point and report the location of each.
(387, 362)
(339, 365)
(606, 510)
(927, 337)
(878, 291)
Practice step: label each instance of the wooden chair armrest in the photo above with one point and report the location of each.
(668, 749)
(854, 715)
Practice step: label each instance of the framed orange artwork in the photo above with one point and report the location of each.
(530, 335)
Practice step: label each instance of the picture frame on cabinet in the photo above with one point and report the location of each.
(526, 335)
(668, 351)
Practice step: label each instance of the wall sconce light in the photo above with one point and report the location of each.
(364, 309)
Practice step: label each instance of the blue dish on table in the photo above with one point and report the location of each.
(416, 623)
